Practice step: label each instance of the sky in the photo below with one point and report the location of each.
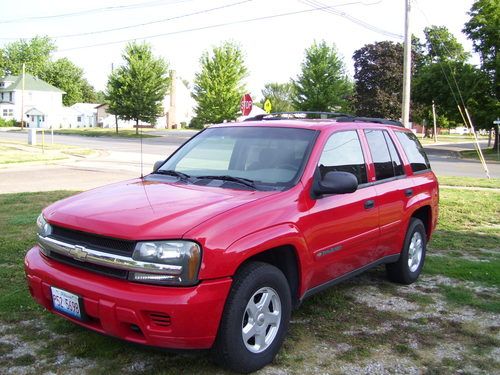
(180, 30)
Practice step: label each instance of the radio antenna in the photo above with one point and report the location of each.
(142, 175)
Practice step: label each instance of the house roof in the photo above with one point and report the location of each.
(34, 112)
(31, 83)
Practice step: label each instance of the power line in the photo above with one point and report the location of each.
(366, 25)
(204, 11)
(200, 28)
(94, 10)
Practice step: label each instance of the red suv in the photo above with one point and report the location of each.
(233, 230)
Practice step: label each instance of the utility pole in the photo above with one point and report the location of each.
(434, 119)
(22, 98)
(407, 67)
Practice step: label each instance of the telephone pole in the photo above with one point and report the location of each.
(407, 67)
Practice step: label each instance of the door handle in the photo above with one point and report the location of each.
(409, 192)
(369, 203)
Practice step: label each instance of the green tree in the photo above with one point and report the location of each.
(35, 53)
(323, 84)
(483, 29)
(378, 75)
(441, 45)
(135, 91)
(69, 77)
(280, 95)
(439, 81)
(219, 86)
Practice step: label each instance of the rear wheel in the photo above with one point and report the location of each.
(409, 266)
(255, 319)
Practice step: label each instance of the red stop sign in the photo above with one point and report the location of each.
(246, 104)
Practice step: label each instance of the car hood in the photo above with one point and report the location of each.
(144, 210)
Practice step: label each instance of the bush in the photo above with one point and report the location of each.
(7, 123)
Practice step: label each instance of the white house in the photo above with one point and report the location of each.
(42, 102)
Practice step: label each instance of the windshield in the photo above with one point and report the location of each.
(265, 157)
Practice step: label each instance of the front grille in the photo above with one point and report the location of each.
(103, 270)
(94, 241)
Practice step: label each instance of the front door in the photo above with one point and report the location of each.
(342, 230)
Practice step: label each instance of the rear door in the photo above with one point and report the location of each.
(342, 229)
(392, 187)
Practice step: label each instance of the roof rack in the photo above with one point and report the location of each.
(297, 115)
(375, 120)
(308, 115)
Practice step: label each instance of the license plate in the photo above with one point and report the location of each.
(66, 302)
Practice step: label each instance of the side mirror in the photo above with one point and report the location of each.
(157, 165)
(335, 183)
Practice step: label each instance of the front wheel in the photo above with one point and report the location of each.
(409, 266)
(255, 319)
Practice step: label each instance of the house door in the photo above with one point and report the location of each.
(38, 121)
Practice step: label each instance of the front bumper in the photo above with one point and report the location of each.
(169, 317)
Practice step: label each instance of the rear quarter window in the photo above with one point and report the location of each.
(414, 151)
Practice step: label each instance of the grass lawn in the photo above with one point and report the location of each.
(18, 152)
(469, 181)
(489, 154)
(100, 132)
(367, 320)
(449, 138)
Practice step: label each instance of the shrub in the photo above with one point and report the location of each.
(7, 123)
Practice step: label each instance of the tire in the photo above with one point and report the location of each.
(255, 318)
(411, 261)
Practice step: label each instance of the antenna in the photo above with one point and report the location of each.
(142, 175)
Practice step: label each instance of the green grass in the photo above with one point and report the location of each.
(485, 272)
(468, 220)
(449, 138)
(100, 132)
(462, 296)
(489, 154)
(322, 321)
(469, 181)
(18, 152)
(11, 155)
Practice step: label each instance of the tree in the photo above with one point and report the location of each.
(68, 77)
(483, 29)
(439, 81)
(136, 90)
(280, 96)
(35, 53)
(323, 84)
(378, 75)
(219, 86)
(442, 46)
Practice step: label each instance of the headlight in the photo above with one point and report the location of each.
(44, 228)
(186, 254)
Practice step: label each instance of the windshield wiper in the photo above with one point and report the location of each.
(240, 180)
(170, 172)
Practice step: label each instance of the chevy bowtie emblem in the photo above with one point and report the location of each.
(79, 253)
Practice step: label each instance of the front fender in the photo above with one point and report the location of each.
(219, 263)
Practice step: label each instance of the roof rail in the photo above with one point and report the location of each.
(297, 115)
(307, 115)
(376, 120)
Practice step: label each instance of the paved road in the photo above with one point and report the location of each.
(119, 159)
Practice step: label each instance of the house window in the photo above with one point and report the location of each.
(10, 96)
(79, 119)
(43, 118)
(8, 112)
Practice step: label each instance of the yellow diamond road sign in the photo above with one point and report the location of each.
(268, 106)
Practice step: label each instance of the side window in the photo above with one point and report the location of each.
(397, 165)
(414, 151)
(380, 154)
(343, 153)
